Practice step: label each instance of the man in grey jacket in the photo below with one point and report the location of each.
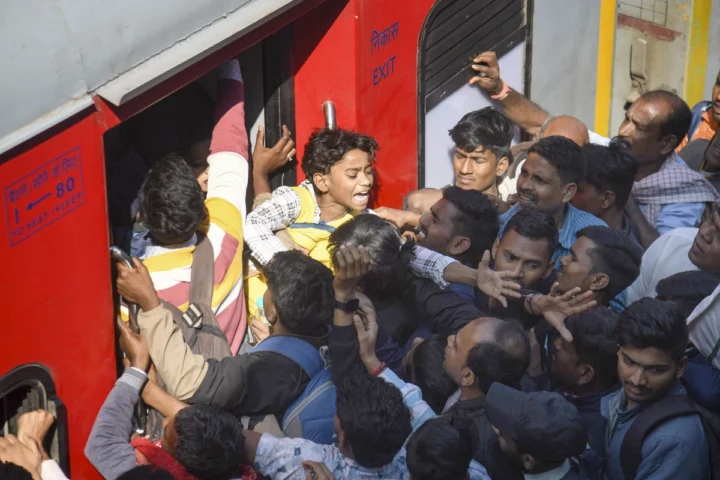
(652, 336)
(198, 441)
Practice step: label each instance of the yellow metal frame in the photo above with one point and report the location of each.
(696, 66)
(606, 52)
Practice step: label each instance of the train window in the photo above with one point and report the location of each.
(454, 32)
(27, 388)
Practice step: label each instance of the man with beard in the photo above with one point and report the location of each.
(548, 181)
(666, 194)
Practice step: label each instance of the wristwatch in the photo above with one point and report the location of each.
(350, 306)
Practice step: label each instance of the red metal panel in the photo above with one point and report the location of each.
(371, 78)
(55, 282)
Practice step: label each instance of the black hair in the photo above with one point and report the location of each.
(374, 418)
(172, 204)
(10, 471)
(503, 360)
(611, 168)
(686, 290)
(650, 322)
(678, 120)
(389, 254)
(487, 128)
(327, 147)
(429, 374)
(145, 472)
(210, 443)
(476, 219)
(441, 449)
(302, 292)
(563, 154)
(615, 255)
(536, 225)
(595, 343)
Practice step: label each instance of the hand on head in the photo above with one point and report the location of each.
(353, 262)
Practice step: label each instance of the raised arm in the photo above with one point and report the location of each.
(520, 110)
(180, 369)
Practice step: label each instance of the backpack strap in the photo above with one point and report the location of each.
(297, 350)
(202, 282)
(697, 113)
(670, 407)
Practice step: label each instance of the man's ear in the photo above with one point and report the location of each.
(587, 374)
(502, 166)
(669, 143)
(459, 245)
(528, 462)
(271, 314)
(321, 182)
(599, 281)
(495, 246)
(608, 199)
(682, 364)
(570, 191)
(467, 377)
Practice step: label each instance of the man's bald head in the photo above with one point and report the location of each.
(568, 127)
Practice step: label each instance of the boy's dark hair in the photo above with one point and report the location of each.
(650, 322)
(441, 449)
(678, 120)
(487, 128)
(374, 418)
(145, 472)
(327, 147)
(595, 343)
(686, 290)
(172, 204)
(614, 255)
(302, 292)
(503, 360)
(210, 443)
(563, 154)
(476, 219)
(10, 471)
(611, 168)
(535, 225)
(429, 374)
(389, 255)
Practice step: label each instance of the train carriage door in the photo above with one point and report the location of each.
(454, 32)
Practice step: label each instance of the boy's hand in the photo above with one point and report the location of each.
(267, 160)
(134, 346)
(353, 262)
(136, 286)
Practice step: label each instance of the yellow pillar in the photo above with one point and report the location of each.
(696, 66)
(606, 52)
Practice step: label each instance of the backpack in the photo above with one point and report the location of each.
(198, 323)
(311, 415)
(670, 407)
(697, 113)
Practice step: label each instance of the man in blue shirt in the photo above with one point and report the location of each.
(653, 336)
(548, 182)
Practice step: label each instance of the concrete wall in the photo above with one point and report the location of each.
(713, 62)
(564, 69)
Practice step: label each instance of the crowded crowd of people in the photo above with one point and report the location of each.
(551, 315)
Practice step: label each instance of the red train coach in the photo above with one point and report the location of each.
(77, 75)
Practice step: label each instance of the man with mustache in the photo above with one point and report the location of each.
(666, 194)
(548, 181)
(653, 336)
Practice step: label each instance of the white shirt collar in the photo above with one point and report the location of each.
(554, 474)
(153, 250)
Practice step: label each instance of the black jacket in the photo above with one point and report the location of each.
(255, 383)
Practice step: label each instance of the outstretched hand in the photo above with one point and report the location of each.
(556, 308)
(352, 262)
(497, 285)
